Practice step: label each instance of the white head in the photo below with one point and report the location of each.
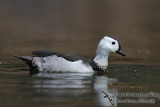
(107, 45)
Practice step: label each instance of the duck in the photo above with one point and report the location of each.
(47, 61)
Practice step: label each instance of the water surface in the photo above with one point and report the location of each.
(76, 27)
(136, 85)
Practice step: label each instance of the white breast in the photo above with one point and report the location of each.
(54, 63)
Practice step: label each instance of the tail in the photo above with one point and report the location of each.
(28, 61)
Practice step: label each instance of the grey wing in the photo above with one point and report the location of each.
(69, 57)
(42, 53)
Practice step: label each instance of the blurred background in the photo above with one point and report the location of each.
(76, 26)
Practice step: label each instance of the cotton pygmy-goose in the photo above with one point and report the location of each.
(45, 61)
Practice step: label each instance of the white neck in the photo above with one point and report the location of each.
(102, 55)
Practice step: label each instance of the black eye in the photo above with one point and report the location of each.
(113, 43)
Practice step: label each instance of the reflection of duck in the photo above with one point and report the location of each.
(106, 97)
(70, 85)
(55, 61)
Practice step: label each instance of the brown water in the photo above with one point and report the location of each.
(76, 27)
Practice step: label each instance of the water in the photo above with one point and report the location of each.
(76, 27)
(136, 85)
